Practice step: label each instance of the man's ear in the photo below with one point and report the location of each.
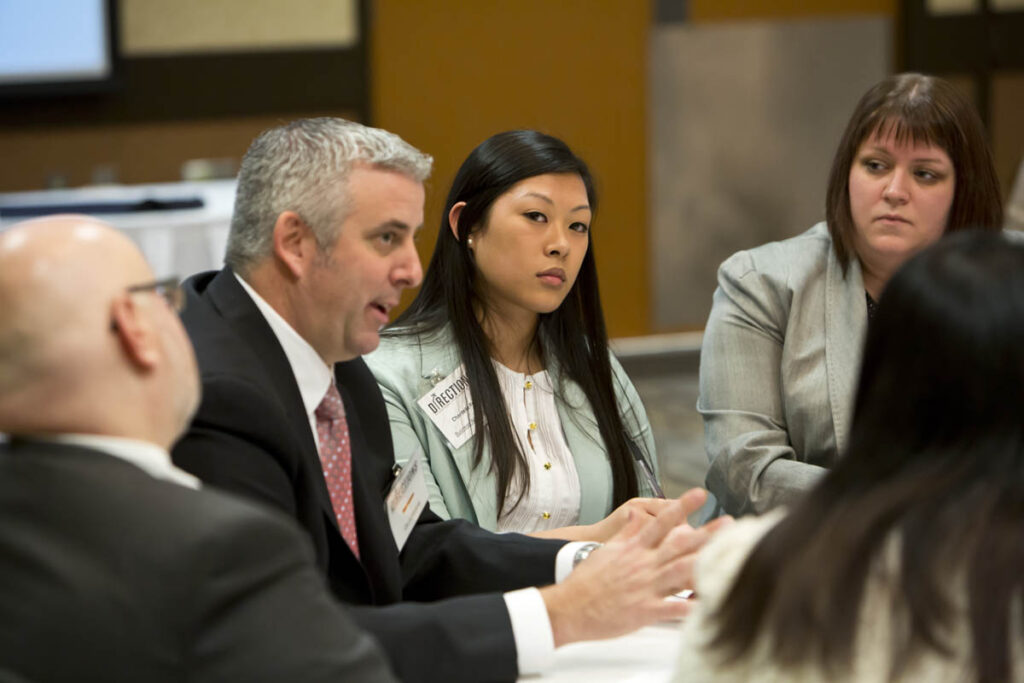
(294, 243)
(136, 334)
(453, 218)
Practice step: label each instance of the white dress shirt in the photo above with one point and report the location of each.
(312, 374)
(553, 500)
(531, 627)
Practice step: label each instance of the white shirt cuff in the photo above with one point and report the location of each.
(564, 558)
(531, 626)
(531, 629)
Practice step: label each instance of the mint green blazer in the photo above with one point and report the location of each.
(406, 368)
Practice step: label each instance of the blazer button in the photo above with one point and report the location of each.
(546, 515)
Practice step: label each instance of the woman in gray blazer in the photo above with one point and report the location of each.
(905, 562)
(783, 342)
(500, 373)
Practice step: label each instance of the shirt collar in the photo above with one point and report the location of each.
(313, 376)
(147, 456)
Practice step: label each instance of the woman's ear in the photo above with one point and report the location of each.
(453, 218)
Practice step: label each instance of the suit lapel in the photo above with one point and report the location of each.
(370, 473)
(237, 308)
(845, 325)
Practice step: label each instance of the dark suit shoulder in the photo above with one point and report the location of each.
(133, 578)
(219, 344)
(241, 440)
(250, 432)
(100, 488)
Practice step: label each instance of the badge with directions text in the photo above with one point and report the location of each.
(450, 407)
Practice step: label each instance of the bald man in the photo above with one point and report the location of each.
(113, 565)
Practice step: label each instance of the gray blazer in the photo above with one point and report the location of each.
(778, 370)
(407, 367)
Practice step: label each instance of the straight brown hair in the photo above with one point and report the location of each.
(926, 110)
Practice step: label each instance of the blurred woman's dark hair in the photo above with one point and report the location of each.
(573, 335)
(935, 462)
(918, 109)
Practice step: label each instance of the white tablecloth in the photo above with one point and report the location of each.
(180, 242)
(647, 656)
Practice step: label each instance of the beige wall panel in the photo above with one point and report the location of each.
(746, 117)
(950, 7)
(1008, 127)
(968, 6)
(447, 74)
(150, 27)
(139, 153)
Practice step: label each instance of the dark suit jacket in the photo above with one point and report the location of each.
(252, 436)
(107, 574)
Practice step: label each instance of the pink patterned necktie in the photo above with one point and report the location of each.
(336, 458)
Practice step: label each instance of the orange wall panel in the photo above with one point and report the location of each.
(150, 152)
(447, 74)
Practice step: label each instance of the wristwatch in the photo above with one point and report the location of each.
(583, 552)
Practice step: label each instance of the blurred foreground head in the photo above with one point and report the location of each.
(930, 494)
(943, 369)
(89, 343)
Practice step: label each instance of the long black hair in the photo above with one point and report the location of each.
(936, 459)
(574, 334)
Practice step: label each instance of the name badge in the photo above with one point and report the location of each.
(450, 407)
(407, 498)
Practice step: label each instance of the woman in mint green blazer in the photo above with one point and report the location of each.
(510, 304)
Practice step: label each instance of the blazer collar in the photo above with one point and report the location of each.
(845, 326)
(237, 308)
(438, 359)
(312, 375)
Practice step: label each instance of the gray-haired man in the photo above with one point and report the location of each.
(321, 247)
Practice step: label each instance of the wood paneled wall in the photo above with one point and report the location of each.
(143, 152)
(447, 74)
(723, 10)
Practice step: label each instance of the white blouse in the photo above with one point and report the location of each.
(553, 500)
